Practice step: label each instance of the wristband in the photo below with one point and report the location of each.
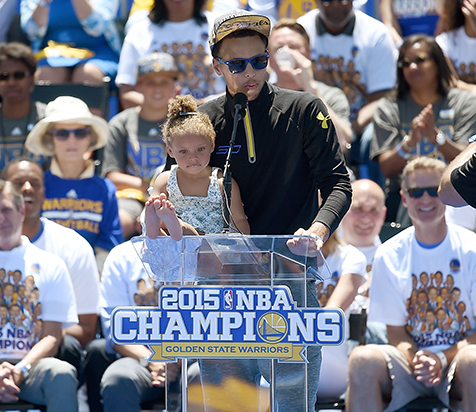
(443, 360)
(24, 367)
(440, 139)
(44, 3)
(405, 144)
(401, 152)
(144, 361)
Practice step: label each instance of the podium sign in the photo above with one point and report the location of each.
(244, 308)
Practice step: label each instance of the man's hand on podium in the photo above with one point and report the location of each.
(311, 245)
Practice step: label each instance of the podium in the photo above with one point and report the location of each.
(237, 321)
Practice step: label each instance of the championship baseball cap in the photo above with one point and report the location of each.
(235, 20)
(156, 63)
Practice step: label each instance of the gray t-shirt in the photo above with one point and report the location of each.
(336, 99)
(332, 96)
(13, 133)
(454, 115)
(135, 146)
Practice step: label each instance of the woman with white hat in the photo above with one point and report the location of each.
(75, 196)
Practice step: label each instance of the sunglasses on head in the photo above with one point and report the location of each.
(406, 62)
(17, 75)
(258, 62)
(417, 192)
(63, 134)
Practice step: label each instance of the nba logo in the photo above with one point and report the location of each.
(228, 299)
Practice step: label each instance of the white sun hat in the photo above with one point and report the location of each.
(66, 109)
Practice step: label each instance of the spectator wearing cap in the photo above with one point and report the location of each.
(293, 153)
(75, 196)
(135, 151)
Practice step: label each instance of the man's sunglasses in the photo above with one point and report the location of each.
(417, 192)
(235, 66)
(63, 134)
(406, 62)
(17, 75)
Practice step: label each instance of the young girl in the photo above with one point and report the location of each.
(192, 186)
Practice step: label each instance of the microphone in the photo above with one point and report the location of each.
(239, 103)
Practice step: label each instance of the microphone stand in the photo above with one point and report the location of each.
(227, 171)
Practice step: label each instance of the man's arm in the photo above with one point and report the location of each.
(388, 18)
(47, 346)
(129, 97)
(399, 337)
(126, 181)
(366, 113)
(345, 291)
(85, 330)
(11, 376)
(157, 369)
(328, 168)
(447, 191)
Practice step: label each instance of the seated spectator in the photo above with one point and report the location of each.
(347, 266)
(135, 151)
(71, 247)
(427, 116)
(360, 228)
(74, 195)
(404, 18)
(355, 52)
(365, 218)
(18, 114)
(422, 291)
(180, 29)
(28, 369)
(458, 40)
(75, 42)
(290, 58)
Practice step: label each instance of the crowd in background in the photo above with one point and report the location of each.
(398, 79)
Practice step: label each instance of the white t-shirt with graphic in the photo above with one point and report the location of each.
(186, 41)
(430, 291)
(345, 259)
(359, 64)
(78, 255)
(35, 287)
(461, 49)
(124, 282)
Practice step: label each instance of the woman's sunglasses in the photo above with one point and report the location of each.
(406, 62)
(417, 192)
(235, 66)
(79, 134)
(17, 75)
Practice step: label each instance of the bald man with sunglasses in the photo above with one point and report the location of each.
(423, 289)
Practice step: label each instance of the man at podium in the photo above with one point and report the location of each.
(285, 152)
